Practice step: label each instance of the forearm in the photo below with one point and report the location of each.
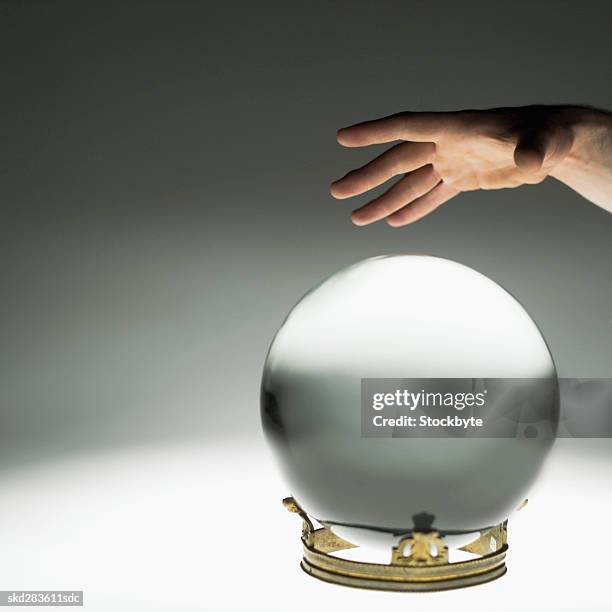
(588, 167)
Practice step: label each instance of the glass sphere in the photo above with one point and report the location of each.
(412, 317)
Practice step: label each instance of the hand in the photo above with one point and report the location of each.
(443, 154)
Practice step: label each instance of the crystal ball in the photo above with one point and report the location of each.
(414, 318)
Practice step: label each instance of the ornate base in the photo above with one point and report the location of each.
(418, 563)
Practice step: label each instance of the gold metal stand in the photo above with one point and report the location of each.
(418, 563)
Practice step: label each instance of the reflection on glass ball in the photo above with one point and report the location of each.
(405, 317)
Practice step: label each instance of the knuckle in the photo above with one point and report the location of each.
(386, 208)
(428, 149)
(395, 167)
(429, 171)
(408, 193)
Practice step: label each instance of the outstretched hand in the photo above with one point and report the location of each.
(443, 154)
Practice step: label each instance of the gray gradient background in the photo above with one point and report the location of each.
(163, 195)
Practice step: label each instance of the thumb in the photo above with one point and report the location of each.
(535, 147)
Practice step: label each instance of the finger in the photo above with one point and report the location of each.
(413, 185)
(418, 127)
(544, 146)
(401, 158)
(422, 206)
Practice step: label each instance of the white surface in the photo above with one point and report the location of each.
(164, 529)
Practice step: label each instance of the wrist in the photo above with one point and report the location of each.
(592, 132)
(587, 168)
